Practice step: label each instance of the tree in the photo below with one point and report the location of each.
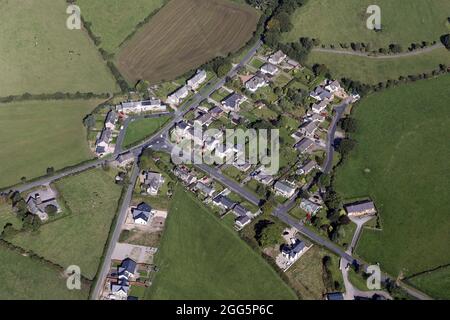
(345, 146)
(50, 170)
(51, 209)
(89, 121)
(348, 124)
(445, 39)
(268, 233)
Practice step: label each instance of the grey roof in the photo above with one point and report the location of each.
(121, 285)
(243, 220)
(180, 92)
(240, 210)
(309, 206)
(204, 188)
(128, 266)
(335, 296)
(284, 187)
(151, 102)
(360, 207)
(216, 111)
(100, 149)
(307, 167)
(232, 101)
(254, 83)
(105, 136)
(293, 248)
(125, 157)
(142, 211)
(197, 78)
(111, 117)
(269, 68)
(224, 201)
(277, 56)
(309, 127)
(321, 93)
(304, 144)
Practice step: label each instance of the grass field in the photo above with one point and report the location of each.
(41, 134)
(39, 54)
(183, 35)
(401, 163)
(114, 20)
(79, 238)
(372, 71)
(200, 258)
(7, 216)
(403, 21)
(140, 129)
(435, 283)
(26, 279)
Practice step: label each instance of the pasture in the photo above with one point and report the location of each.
(401, 162)
(37, 135)
(344, 21)
(372, 71)
(140, 129)
(39, 54)
(183, 35)
(114, 20)
(201, 258)
(79, 237)
(436, 283)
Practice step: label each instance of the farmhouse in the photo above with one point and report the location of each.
(142, 213)
(269, 68)
(41, 202)
(294, 250)
(284, 189)
(306, 168)
(304, 145)
(309, 207)
(152, 182)
(197, 80)
(277, 57)
(255, 83)
(111, 119)
(232, 102)
(178, 96)
(361, 208)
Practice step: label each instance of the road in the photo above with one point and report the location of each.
(386, 56)
(121, 217)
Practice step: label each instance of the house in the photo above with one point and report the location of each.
(262, 176)
(41, 202)
(297, 135)
(277, 57)
(308, 128)
(111, 119)
(152, 182)
(317, 117)
(255, 83)
(309, 207)
(120, 289)
(141, 106)
(216, 112)
(320, 94)
(236, 119)
(293, 64)
(178, 95)
(361, 208)
(239, 211)
(224, 151)
(205, 189)
(125, 159)
(306, 168)
(197, 79)
(204, 120)
(128, 107)
(244, 167)
(232, 102)
(142, 213)
(269, 68)
(103, 141)
(334, 296)
(319, 107)
(304, 145)
(284, 189)
(127, 269)
(223, 202)
(333, 86)
(242, 221)
(184, 174)
(294, 250)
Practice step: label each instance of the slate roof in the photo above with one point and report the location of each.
(304, 144)
(232, 101)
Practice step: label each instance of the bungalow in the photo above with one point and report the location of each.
(308, 128)
(142, 213)
(178, 95)
(284, 188)
(197, 79)
(304, 145)
(320, 107)
(320, 94)
(125, 159)
(309, 207)
(152, 182)
(277, 57)
(269, 68)
(223, 202)
(361, 208)
(242, 221)
(232, 102)
(205, 189)
(111, 119)
(293, 250)
(306, 168)
(255, 83)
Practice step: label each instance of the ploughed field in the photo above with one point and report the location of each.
(183, 35)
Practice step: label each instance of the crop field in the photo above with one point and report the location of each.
(201, 258)
(372, 71)
(401, 162)
(39, 54)
(37, 135)
(26, 279)
(78, 238)
(344, 21)
(114, 20)
(183, 35)
(140, 129)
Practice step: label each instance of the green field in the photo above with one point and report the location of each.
(140, 129)
(436, 283)
(344, 21)
(39, 54)
(372, 71)
(114, 20)
(37, 135)
(78, 238)
(26, 279)
(200, 258)
(401, 162)
(7, 216)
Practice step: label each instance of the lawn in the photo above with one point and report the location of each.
(400, 162)
(114, 20)
(403, 21)
(39, 54)
(201, 258)
(183, 35)
(140, 129)
(436, 283)
(37, 135)
(80, 237)
(372, 71)
(24, 278)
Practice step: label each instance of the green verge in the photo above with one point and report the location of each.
(200, 258)
(400, 162)
(140, 129)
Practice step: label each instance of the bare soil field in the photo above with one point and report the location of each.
(183, 35)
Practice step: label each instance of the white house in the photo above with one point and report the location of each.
(293, 250)
(284, 189)
(359, 209)
(141, 106)
(178, 96)
(142, 213)
(197, 80)
(102, 143)
(269, 68)
(319, 107)
(333, 86)
(277, 57)
(255, 83)
(152, 182)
